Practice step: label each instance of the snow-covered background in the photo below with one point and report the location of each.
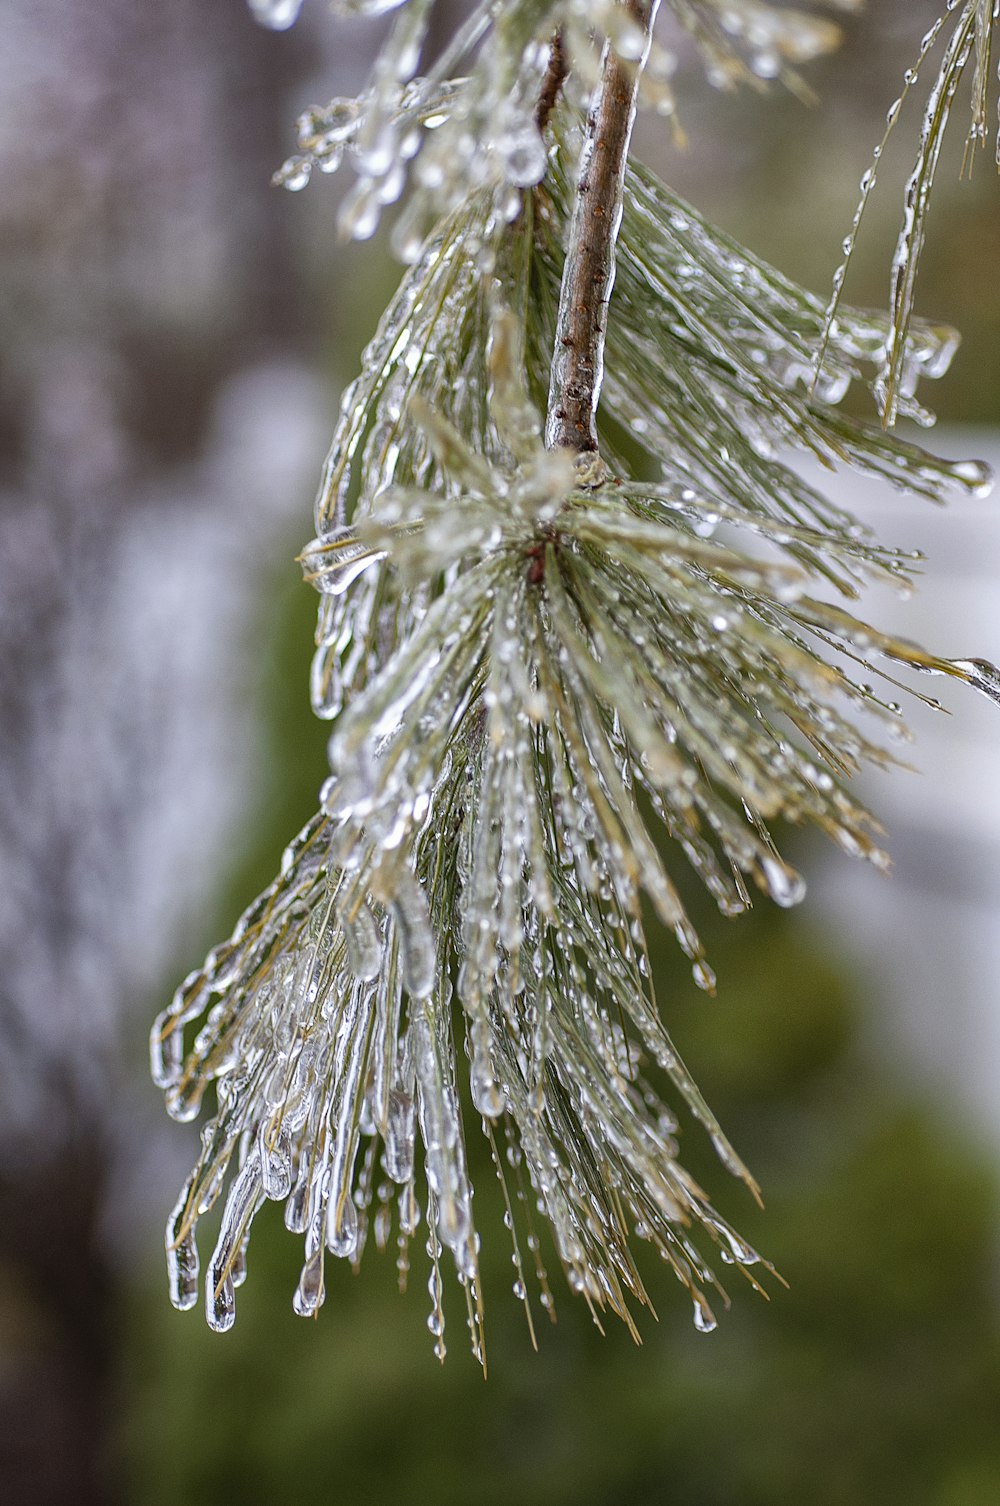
(928, 936)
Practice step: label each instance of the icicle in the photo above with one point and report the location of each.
(241, 1204)
(182, 1252)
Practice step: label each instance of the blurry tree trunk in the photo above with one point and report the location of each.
(57, 1395)
(142, 263)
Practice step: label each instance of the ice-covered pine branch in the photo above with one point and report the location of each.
(545, 672)
(965, 32)
(469, 120)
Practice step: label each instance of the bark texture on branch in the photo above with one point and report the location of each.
(589, 269)
(555, 77)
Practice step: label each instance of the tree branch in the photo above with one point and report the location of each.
(589, 269)
(555, 77)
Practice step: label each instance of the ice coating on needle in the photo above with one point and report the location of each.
(547, 680)
(469, 120)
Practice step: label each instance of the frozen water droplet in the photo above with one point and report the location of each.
(182, 1257)
(383, 1226)
(976, 475)
(704, 976)
(335, 560)
(276, 15)
(704, 1318)
(220, 1303)
(366, 7)
(486, 1095)
(785, 886)
(364, 943)
(399, 1137)
(183, 1100)
(275, 1165)
(409, 1211)
(342, 1228)
(297, 1209)
(524, 156)
(766, 63)
(293, 174)
(359, 213)
(166, 1050)
(981, 675)
(310, 1292)
(330, 159)
(416, 940)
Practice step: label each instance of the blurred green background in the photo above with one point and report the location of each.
(875, 1378)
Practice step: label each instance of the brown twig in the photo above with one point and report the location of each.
(589, 269)
(555, 77)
